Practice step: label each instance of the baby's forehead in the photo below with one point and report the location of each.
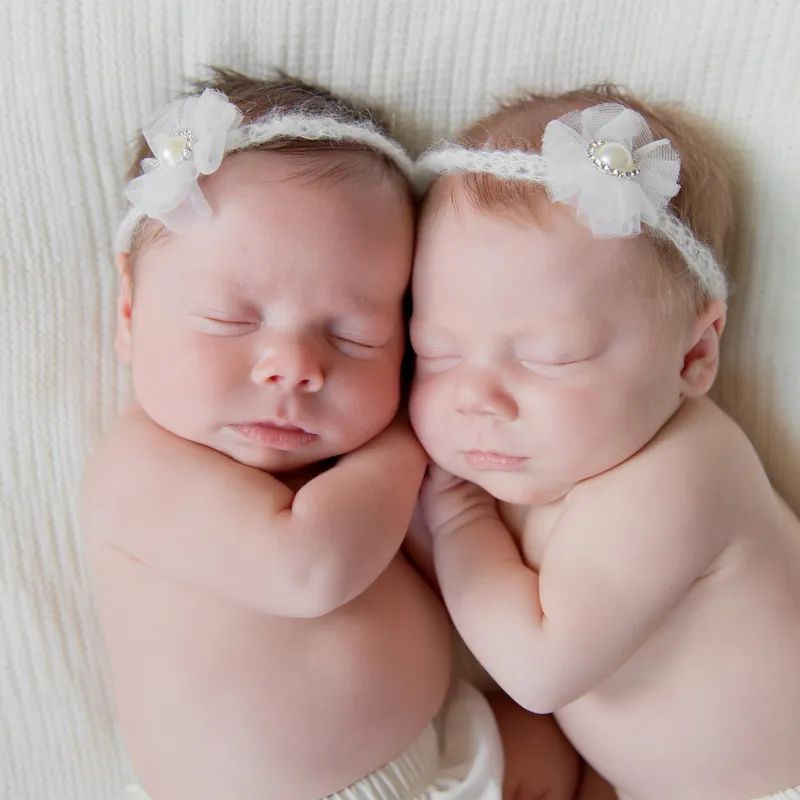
(275, 169)
(548, 245)
(268, 235)
(483, 274)
(265, 189)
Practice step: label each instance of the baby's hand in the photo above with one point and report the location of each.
(448, 502)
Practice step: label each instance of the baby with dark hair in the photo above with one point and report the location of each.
(244, 517)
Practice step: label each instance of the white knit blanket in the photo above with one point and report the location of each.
(77, 76)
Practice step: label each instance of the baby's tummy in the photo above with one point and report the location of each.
(217, 701)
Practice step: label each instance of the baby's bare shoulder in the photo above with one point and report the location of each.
(699, 473)
(112, 471)
(700, 449)
(134, 449)
(139, 468)
(710, 462)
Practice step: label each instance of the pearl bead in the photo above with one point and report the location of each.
(171, 151)
(615, 156)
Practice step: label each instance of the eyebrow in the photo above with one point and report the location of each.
(245, 288)
(423, 328)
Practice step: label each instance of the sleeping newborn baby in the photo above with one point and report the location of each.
(605, 537)
(244, 517)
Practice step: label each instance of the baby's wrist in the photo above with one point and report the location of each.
(474, 515)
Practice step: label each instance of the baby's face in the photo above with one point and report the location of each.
(543, 355)
(274, 333)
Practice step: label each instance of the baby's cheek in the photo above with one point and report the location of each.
(581, 425)
(417, 408)
(429, 416)
(364, 399)
(208, 369)
(180, 381)
(381, 394)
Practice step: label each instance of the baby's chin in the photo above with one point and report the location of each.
(271, 459)
(274, 461)
(332, 444)
(516, 488)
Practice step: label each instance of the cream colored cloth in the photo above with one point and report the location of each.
(79, 76)
(459, 756)
(787, 794)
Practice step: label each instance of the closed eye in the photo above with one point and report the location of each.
(355, 346)
(435, 350)
(551, 368)
(226, 327)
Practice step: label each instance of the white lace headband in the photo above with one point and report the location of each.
(604, 162)
(190, 137)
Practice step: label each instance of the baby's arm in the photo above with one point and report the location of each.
(623, 554)
(418, 546)
(202, 518)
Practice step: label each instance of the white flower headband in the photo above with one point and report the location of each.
(604, 162)
(190, 137)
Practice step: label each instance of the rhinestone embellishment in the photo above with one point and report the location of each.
(176, 149)
(613, 158)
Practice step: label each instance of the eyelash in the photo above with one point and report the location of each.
(544, 368)
(344, 343)
(241, 327)
(443, 362)
(234, 327)
(437, 357)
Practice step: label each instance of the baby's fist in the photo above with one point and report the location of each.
(448, 503)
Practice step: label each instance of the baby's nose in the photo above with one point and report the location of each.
(291, 366)
(481, 394)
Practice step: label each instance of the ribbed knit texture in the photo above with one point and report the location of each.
(78, 76)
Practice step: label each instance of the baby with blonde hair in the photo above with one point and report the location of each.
(604, 536)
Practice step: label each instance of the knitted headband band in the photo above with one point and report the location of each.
(192, 135)
(604, 162)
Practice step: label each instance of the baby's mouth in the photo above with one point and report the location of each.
(278, 435)
(489, 460)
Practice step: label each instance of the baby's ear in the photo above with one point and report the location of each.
(122, 341)
(701, 361)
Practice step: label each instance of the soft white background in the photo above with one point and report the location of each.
(78, 76)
